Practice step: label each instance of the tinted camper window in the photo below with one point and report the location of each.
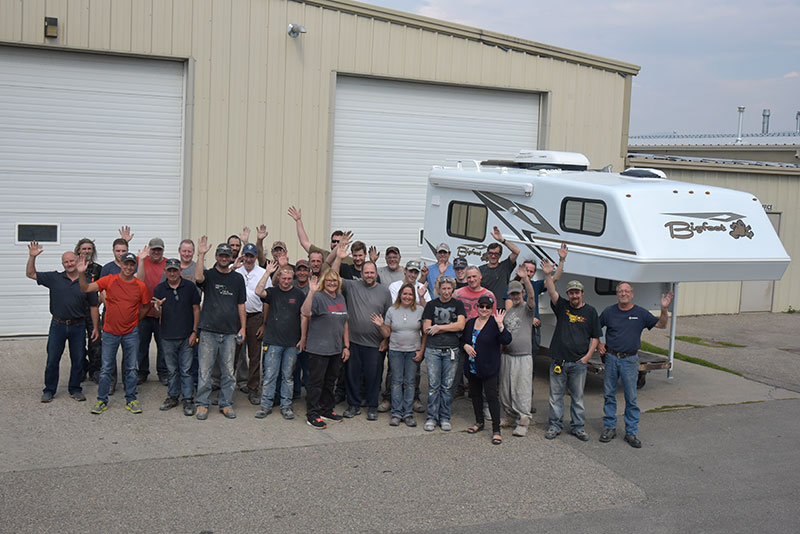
(467, 221)
(604, 286)
(583, 216)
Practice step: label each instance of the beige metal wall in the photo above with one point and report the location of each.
(775, 186)
(260, 103)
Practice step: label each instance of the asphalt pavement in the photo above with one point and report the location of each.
(719, 455)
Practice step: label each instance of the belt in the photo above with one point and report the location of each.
(622, 354)
(250, 314)
(69, 321)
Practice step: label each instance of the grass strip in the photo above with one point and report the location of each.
(691, 359)
(705, 343)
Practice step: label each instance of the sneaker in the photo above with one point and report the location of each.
(633, 441)
(333, 417)
(372, 414)
(352, 411)
(418, 407)
(133, 407)
(520, 431)
(47, 396)
(446, 426)
(288, 414)
(409, 420)
(78, 396)
(99, 407)
(394, 421)
(607, 435)
(254, 398)
(202, 413)
(188, 407)
(429, 426)
(317, 423)
(385, 406)
(228, 412)
(580, 434)
(262, 413)
(551, 433)
(168, 404)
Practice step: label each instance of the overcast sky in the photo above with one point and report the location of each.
(699, 60)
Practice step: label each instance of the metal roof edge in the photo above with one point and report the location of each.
(730, 165)
(476, 34)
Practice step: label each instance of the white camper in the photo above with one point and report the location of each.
(634, 226)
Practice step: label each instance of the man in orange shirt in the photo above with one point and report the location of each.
(127, 302)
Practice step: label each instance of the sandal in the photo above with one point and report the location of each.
(474, 429)
(497, 439)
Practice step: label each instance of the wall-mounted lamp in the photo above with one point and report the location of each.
(51, 27)
(296, 29)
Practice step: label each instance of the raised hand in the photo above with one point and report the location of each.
(271, 267)
(34, 249)
(342, 248)
(373, 254)
(202, 245)
(547, 267)
(261, 232)
(125, 233)
(295, 213)
(144, 252)
(562, 252)
(522, 272)
(238, 262)
(422, 290)
(424, 271)
(498, 317)
(376, 319)
(313, 283)
(81, 264)
(496, 234)
(244, 236)
(666, 299)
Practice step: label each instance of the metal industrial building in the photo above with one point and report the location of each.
(190, 117)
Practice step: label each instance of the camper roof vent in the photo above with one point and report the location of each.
(543, 159)
(644, 173)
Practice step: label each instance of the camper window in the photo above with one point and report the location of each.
(583, 216)
(604, 286)
(467, 221)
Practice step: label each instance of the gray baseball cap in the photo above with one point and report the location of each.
(413, 265)
(224, 249)
(514, 287)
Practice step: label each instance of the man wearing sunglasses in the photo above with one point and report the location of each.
(495, 274)
(177, 303)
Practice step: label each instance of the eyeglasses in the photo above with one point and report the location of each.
(442, 252)
(175, 292)
(493, 253)
(484, 307)
(335, 241)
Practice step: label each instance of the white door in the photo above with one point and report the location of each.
(388, 134)
(88, 143)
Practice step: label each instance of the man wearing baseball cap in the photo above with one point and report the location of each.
(127, 303)
(177, 303)
(222, 324)
(248, 371)
(391, 272)
(460, 268)
(151, 272)
(575, 339)
(443, 267)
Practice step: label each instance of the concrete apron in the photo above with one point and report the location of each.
(64, 433)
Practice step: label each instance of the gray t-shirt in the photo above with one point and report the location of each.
(388, 276)
(406, 328)
(326, 325)
(362, 302)
(519, 322)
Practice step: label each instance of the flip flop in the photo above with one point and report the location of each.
(497, 439)
(474, 429)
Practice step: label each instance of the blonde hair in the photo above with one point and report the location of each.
(413, 294)
(330, 274)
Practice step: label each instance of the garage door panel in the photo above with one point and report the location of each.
(99, 149)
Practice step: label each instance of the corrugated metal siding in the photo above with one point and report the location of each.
(783, 192)
(261, 136)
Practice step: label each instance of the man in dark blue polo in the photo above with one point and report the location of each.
(177, 304)
(68, 307)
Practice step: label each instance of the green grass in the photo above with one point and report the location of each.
(706, 343)
(691, 359)
(674, 408)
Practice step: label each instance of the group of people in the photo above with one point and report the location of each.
(330, 323)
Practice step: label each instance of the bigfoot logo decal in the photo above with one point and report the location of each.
(682, 229)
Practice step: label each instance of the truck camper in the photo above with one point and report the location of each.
(635, 226)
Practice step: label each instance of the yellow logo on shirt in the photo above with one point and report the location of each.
(575, 318)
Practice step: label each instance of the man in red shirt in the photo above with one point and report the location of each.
(151, 272)
(127, 302)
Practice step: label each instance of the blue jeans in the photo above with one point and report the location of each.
(278, 359)
(178, 357)
(300, 373)
(366, 361)
(572, 376)
(404, 378)
(214, 346)
(57, 339)
(130, 370)
(441, 365)
(627, 369)
(151, 327)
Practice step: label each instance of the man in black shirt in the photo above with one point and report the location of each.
(575, 339)
(222, 325)
(495, 274)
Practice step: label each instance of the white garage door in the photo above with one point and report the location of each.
(388, 134)
(88, 143)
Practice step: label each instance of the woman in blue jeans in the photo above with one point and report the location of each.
(403, 327)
